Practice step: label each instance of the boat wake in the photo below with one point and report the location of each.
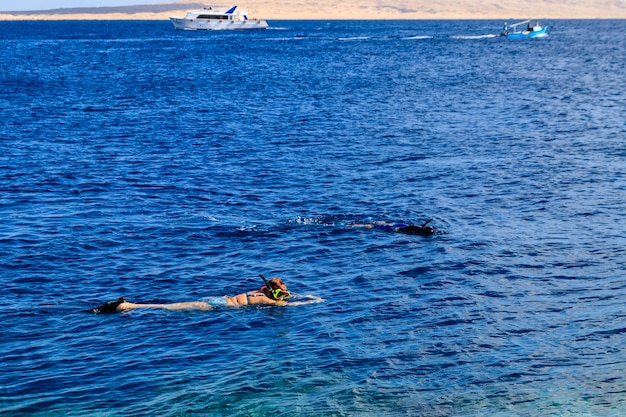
(417, 37)
(492, 35)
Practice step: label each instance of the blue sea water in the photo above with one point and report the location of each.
(160, 165)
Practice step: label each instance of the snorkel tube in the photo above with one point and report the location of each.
(275, 294)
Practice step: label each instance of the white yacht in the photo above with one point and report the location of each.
(211, 19)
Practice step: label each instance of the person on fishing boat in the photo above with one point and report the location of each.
(274, 292)
(505, 29)
(409, 229)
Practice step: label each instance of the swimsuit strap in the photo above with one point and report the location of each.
(253, 294)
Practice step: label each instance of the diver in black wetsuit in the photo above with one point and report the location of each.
(409, 229)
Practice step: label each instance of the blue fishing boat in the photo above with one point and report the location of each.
(532, 31)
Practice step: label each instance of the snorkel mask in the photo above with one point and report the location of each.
(276, 293)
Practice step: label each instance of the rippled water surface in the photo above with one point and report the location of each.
(161, 165)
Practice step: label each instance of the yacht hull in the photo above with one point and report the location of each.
(204, 24)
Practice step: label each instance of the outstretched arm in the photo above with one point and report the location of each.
(311, 299)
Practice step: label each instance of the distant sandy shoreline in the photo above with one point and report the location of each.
(278, 16)
(370, 10)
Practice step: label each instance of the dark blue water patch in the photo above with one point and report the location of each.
(168, 166)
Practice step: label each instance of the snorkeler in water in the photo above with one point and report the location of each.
(274, 292)
(369, 223)
(409, 229)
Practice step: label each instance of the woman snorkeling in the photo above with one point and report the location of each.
(274, 292)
